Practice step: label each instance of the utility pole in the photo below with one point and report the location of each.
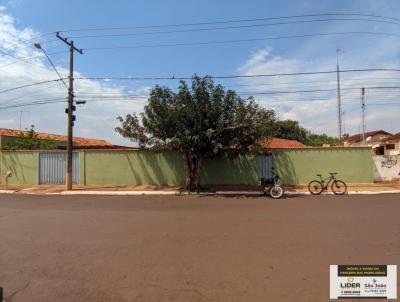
(343, 122)
(339, 105)
(363, 122)
(70, 109)
(20, 119)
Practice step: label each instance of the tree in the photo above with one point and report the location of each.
(28, 140)
(291, 129)
(321, 139)
(200, 122)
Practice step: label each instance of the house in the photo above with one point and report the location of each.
(10, 135)
(374, 139)
(371, 138)
(392, 145)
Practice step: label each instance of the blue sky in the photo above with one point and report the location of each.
(22, 19)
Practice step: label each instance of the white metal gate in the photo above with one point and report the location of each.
(52, 167)
(265, 166)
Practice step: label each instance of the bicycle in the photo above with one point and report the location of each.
(271, 186)
(338, 187)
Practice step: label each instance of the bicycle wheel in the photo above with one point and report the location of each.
(315, 187)
(339, 187)
(276, 192)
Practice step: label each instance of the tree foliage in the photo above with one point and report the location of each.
(201, 122)
(291, 129)
(28, 140)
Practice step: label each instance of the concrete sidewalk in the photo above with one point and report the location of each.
(375, 188)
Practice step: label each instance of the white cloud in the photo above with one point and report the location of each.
(318, 111)
(95, 119)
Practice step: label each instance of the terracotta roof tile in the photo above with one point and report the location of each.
(280, 143)
(358, 137)
(394, 137)
(78, 141)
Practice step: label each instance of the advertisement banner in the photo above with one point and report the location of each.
(363, 281)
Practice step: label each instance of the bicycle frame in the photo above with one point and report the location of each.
(329, 179)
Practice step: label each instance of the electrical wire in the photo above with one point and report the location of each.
(217, 77)
(273, 102)
(225, 28)
(240, 40)
(137, 78)
(31, 58)
(29, 85)
(229, 21)
(33, 93)
(4, 52)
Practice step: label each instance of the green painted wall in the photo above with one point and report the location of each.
(239, 171)
(23, 165)
(132, 168)
(300, 166)
(297, 166)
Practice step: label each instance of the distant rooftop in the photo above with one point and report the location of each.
(394, 136)
(358, 137)
(78, 141)
(281, 143)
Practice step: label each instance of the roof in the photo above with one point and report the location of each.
(281, 143)
(358, 137)
(394, 137)
(78, 141)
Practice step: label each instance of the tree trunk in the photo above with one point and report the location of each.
(186, 166)
(197, 173)
(192, 169)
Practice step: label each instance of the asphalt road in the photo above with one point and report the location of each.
(188, 248)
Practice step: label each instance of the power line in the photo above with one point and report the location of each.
(38, 46)
(241, 40)
(137, 78)
(133, 97)
(33, 93)
(17, 58)
(29, 85)
(227, 28)
(229, 21)
(34, 103)
(217, 77)
(276, 92)
(30, 58)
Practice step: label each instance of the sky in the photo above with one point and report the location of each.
(149, 49)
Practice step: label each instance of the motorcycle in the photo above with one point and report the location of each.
(272, 187)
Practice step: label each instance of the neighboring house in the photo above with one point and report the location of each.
(10, 135)
(375, 139)
(392, 145)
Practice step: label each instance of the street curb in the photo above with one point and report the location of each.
(289, 193)
(166, 193)
(7, 191)
(118, 193)
(255, 193)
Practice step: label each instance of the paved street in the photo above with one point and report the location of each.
(188, 248)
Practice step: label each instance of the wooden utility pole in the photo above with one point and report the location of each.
(69, 111)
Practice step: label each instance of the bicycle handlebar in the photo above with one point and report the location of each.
(331, 173)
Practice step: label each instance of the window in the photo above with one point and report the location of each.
(390, 147)
(379, 150)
